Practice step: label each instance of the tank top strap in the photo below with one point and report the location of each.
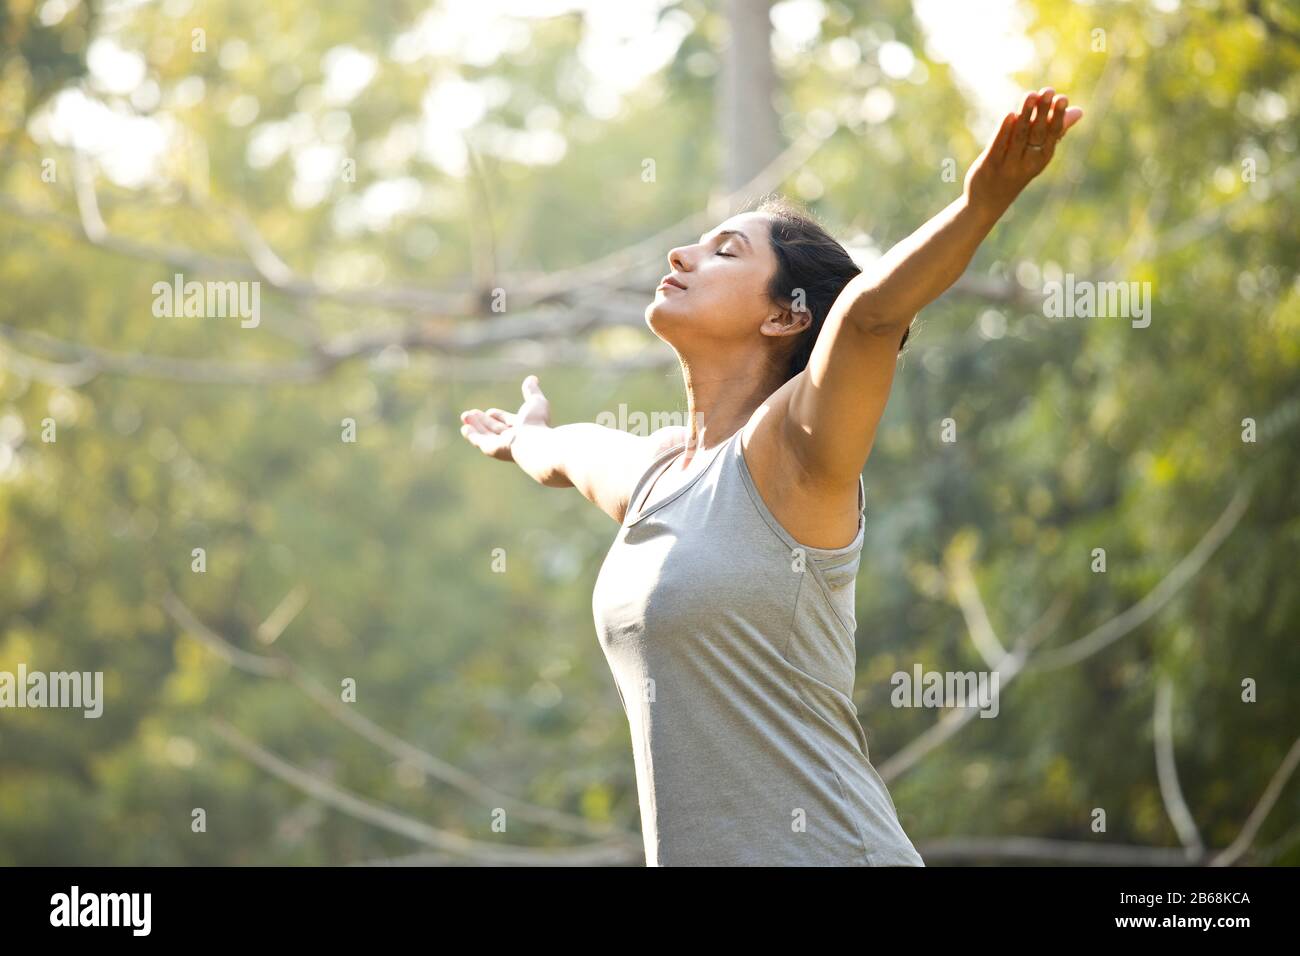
(646, 508)
(651, 471)
(822, 556)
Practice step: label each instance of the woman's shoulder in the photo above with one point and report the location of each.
(815, 516)
(665, 439)
(650, 450)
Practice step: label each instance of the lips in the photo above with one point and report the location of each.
(669, 280)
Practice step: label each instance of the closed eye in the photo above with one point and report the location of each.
(725, 255)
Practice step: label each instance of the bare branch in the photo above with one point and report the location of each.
(1007, 668)
(416, 859)
(385, 817)
(67, 375)
(83, 178)
(283, 667)
(290, 607)
(1167, 771)
(1011, 664)
(966, 591)
(1034, 849)
(398, 298)
(1021, 849)
(258, 664)
(264, 259)
(1157, 597)
(88, 362)
(1261, 811)
(482, 232)
(85, 362)
(526, 289)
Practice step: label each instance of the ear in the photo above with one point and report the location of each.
(789, 320)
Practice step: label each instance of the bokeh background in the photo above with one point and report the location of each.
(439, 199)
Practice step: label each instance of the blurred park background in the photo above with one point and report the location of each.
(437, 199)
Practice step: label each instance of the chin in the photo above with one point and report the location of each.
(667, 320)
(658, 319)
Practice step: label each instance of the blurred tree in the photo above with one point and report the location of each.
(382, 171)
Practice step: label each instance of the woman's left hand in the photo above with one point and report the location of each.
(1020, 150)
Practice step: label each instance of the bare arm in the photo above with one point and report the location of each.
(602, 463)
(837, 402)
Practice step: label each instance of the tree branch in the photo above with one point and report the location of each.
(282, 667)
(1011, 664)
(1261, 811)
(1167, 771)
(1007, 668)
(1035, 849)
(385, 817)
(966, 592)
(1157, 597)
(1022, 849)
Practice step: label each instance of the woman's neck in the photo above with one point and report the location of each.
(720, 401)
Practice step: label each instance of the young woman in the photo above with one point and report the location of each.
(725, 606)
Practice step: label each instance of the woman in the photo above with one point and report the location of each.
(725, 606)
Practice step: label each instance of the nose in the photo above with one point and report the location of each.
(677, 259)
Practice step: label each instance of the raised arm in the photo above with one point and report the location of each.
(835, 405)
(601, 463)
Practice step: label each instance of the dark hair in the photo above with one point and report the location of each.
(807, 258)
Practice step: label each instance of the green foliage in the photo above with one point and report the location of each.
(1074, 434)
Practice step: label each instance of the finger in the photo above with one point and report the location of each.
(531, 388)
(490, 424)
(501, 415)
(1072, 116)
(1022, 122)
(1039, 131)
(1003, 138)
(1056, 125)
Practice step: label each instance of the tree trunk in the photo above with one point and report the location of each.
(749, 130)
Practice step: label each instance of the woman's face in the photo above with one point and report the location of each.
(725, 296)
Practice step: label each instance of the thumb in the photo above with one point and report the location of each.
(531, 388)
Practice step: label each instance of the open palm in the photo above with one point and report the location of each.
(493, 431)
(1021, 149)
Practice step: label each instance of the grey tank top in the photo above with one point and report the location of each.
(732, 648)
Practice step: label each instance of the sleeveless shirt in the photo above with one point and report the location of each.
(732, 649)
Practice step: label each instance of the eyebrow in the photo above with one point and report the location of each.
(734, 232)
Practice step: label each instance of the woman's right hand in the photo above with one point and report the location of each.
(492, 432)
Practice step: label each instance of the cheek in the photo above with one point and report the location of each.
(737, 285)
(746, 293)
